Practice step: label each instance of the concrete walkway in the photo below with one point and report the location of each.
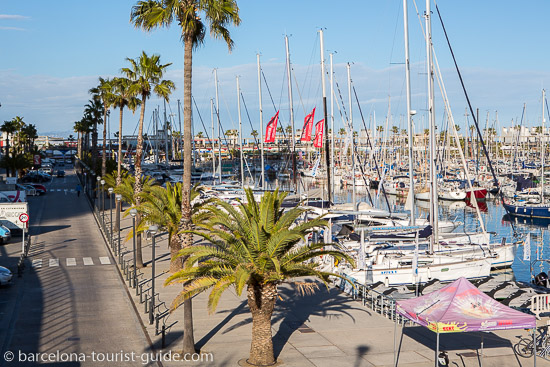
(325, 329)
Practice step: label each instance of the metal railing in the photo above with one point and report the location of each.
(376, 301)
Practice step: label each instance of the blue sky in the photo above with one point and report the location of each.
(53, 52)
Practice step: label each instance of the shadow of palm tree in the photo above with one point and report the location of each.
(294, 309)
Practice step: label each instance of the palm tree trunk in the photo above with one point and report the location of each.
(186, 239)
(119, 171)
(94, 147)
(103, 150)
(176, 264)
(261, 301)
(137, 172)
(79, 145)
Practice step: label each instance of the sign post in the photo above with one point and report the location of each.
(24, 218)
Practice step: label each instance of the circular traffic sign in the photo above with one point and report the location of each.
(24, 217)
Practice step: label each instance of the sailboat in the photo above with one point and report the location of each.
(443, 260)
(532, 207)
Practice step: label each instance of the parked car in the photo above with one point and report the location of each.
(47, 170)
(60, 173)
(29, 189)
(5, 275)
(36, 176)
(5, 234)
(41, 189)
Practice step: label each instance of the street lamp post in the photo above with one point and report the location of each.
(118, 199)
(103, 202)
(153, 230)
(110, 189)
(96, 195)
(133, 213)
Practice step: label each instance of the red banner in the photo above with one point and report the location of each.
(271, 129)
(319, 129)
(308, 126)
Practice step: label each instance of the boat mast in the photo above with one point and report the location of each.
(431, 114)
(219, 127)
(165, 135)
(240, 131)
(327, 148)
(292, 140)
(410, 113)
(332, 120)
(353, 195)
(261, 122)
(213, 154)
(543, 149)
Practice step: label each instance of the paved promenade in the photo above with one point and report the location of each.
(325, 329)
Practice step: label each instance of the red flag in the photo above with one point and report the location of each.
(308, 125)
(319, 129)
(271, 129)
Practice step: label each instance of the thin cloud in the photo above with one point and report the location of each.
(12, 17)
(12, 29)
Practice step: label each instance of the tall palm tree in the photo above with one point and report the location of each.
(9, 127)
(104, 92)
(189, 15)
(257, 246)
(121, 98)
(28, 133)
(93, 112)
(145, 74)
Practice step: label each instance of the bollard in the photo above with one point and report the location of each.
(163, 337)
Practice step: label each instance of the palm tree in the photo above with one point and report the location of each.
(18, 143)
(145, 74)
(121, 98)
(104, 92)
(9, 127)
(28, 135)
(188, 14)
(257, 245)
(93, 112)
(162, 206)
(127, 190)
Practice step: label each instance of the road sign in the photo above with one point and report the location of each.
(24, 217)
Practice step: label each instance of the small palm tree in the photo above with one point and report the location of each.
(162, 206)
(257, 246)
(127, 190)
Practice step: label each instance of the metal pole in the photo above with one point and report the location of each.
(134, 247)
(261, 122)
(409, 112)
(240, 131)
(535, 346)
(293, 146)
(434, 240)
(111, 221)
(437, 349)
(327, 147)
(219, 127)
(152, 304)
(332, 121)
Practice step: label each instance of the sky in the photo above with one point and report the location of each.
(54, 51)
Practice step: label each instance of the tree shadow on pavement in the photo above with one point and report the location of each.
(294, 310)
